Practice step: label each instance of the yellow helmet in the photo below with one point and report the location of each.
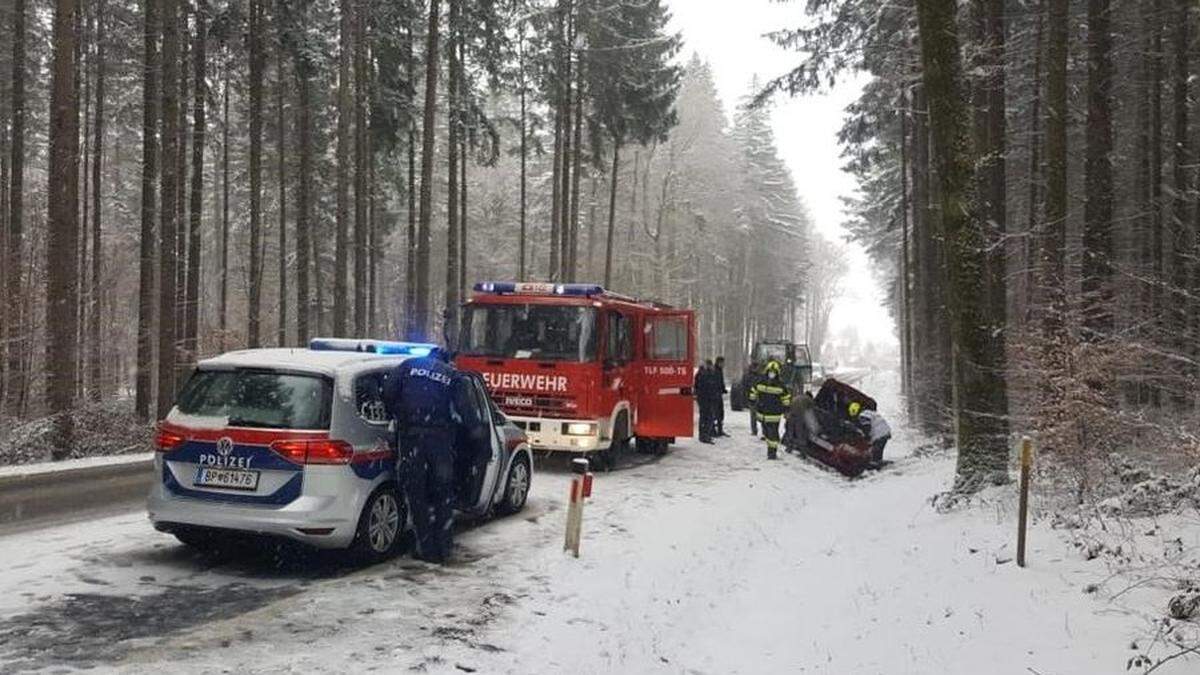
(855, 408)
(772, 367)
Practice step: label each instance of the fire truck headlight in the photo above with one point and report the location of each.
(579, 429)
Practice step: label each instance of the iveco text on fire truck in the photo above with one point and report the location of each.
(582, 369)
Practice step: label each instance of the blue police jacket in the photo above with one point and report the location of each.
(420, 393)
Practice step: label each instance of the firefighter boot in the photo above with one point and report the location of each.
(772, 453)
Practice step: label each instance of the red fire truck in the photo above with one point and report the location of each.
(582, 369)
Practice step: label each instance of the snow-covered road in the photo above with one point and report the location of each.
(708, 560)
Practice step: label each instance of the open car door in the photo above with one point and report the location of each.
(481, 450)
(665, 403)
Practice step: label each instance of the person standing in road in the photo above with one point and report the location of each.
(701, 388)
(751, 378)
(771, 399)
(420, 396)
(719, 399)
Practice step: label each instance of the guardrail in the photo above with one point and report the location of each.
(51, 492)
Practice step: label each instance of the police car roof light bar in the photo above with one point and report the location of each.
(372, 346)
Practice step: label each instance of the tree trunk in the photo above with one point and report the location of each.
(1156, 180)
(168, 214)
(410, 276)
(223, 310)
(1033, 228)
(524, 152)
(304, 209)
(257, 63)
(980, 417)
(361, 224)
(572, 257)
(15, 337)
(1182, 240)
(344, 117)
(906, 366)
(462, 215)
(419, 324)
(453, 123)
(1054, 236)
(200, 97)
(96, 345)
(612, 213)
(1098, 179)
(281, 145)
(62, 236)
(144, 382)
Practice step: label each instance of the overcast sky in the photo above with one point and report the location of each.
(729, 35)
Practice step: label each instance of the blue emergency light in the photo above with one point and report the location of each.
(538, 288)
(372, 346)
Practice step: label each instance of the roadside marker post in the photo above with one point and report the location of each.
(581, 489)
(1023, 509)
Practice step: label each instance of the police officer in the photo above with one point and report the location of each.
(771, 400)
(420, 395)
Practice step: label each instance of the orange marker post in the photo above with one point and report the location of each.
(581, 489)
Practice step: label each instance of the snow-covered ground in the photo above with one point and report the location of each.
(708, 560)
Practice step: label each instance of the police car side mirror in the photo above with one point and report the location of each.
(392, 427)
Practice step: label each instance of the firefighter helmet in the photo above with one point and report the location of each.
(855, 408)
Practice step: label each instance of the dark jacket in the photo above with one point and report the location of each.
(771, 399)
(708, 384)
(420, 393)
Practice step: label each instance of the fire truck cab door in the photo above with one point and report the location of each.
(666, 400)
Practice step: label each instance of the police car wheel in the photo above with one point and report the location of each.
(516, 491)
(380, 526)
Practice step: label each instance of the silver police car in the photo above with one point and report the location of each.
(295, 443)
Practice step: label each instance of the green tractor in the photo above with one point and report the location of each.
(796, 362)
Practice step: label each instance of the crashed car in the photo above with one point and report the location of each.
(820, 427)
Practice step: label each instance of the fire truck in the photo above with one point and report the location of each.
(582, 369)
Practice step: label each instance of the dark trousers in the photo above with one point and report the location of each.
(771, 431)
(427, 475)
(706, 418)
(753, 421)
(719, 416)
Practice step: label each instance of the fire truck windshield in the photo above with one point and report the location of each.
(544, 332)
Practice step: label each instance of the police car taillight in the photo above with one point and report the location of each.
(166, 441)
(322, 451)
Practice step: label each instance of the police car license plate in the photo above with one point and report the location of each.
(230, 479)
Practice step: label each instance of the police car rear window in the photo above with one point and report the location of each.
(258, 398)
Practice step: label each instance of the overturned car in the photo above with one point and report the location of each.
(823, 428)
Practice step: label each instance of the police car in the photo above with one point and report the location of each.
(295, 443)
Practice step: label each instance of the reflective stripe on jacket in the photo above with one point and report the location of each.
(771, 400)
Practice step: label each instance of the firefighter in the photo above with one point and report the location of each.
(752, 377)
(420, 398)
(771, 400)
(874, 427)
(719, 400)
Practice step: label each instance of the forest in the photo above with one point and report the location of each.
(1028, 178)
(181, 178)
